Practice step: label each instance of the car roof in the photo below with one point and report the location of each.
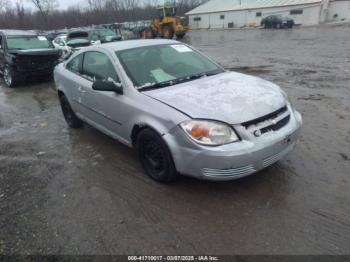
(18, 32)
(130, 44)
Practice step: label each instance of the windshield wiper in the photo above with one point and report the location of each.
(151, 86)
(197, 76)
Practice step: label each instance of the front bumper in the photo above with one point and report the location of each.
(236, 160)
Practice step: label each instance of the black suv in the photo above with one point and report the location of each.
(277, 21)
(25, 54)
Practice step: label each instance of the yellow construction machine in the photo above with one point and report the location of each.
(168, 24)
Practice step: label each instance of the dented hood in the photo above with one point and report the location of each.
(229, 97)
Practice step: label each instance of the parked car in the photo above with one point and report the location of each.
(51, 35)
(184, 113)
(277, 21)
(24, 54)
(60, 43)
(84, 37)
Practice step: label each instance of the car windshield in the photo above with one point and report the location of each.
(28, 42)
(164, 65)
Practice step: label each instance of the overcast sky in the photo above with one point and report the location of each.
(64, 4)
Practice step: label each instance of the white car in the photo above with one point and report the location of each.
(61, 43)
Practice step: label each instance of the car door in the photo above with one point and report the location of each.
(71, 81)
(103, 109)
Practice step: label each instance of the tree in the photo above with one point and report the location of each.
(45, 7)
(4, 4)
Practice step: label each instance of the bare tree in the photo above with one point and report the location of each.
(48, 16)
(45, 7)
(4, 4)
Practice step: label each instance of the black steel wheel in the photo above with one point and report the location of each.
(72, 120)
(155, 157)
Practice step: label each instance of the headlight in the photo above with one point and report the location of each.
(210, 133)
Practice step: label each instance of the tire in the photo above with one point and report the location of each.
(146, 34)
(180, 36)
(10, 78)
(155, 157)
(168, 32)
(72, 120)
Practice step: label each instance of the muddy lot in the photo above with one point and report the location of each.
(68, 191)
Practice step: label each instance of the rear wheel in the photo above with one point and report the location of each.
(180, 36)
(10, 78)
(155, 157)
(72, 120)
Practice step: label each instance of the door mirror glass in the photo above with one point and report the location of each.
(110, 86)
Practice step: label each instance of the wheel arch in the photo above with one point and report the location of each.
(137, 128)
(60, 93)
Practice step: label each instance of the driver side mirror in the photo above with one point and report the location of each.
(108, 86)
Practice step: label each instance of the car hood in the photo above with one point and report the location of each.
(229, 97)
(36, 52)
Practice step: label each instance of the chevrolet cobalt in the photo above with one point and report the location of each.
(182, 112)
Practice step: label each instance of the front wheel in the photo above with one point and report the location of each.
(168, 32)
(180, 36)
(10, 78)
(155, 157)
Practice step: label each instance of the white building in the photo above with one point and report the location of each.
(248, 13)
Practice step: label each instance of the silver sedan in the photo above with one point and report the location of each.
(183, 112)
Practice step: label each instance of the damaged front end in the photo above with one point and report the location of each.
(34, 63)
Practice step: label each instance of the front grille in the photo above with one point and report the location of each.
(229, 173)
(273, 159)
(266, 117)
(37, 63)
(277, 126)
(270, 122)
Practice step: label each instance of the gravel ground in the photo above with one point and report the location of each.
(68, 191)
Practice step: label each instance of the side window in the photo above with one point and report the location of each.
(1, 45)
(97, 66)
(75, 64)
